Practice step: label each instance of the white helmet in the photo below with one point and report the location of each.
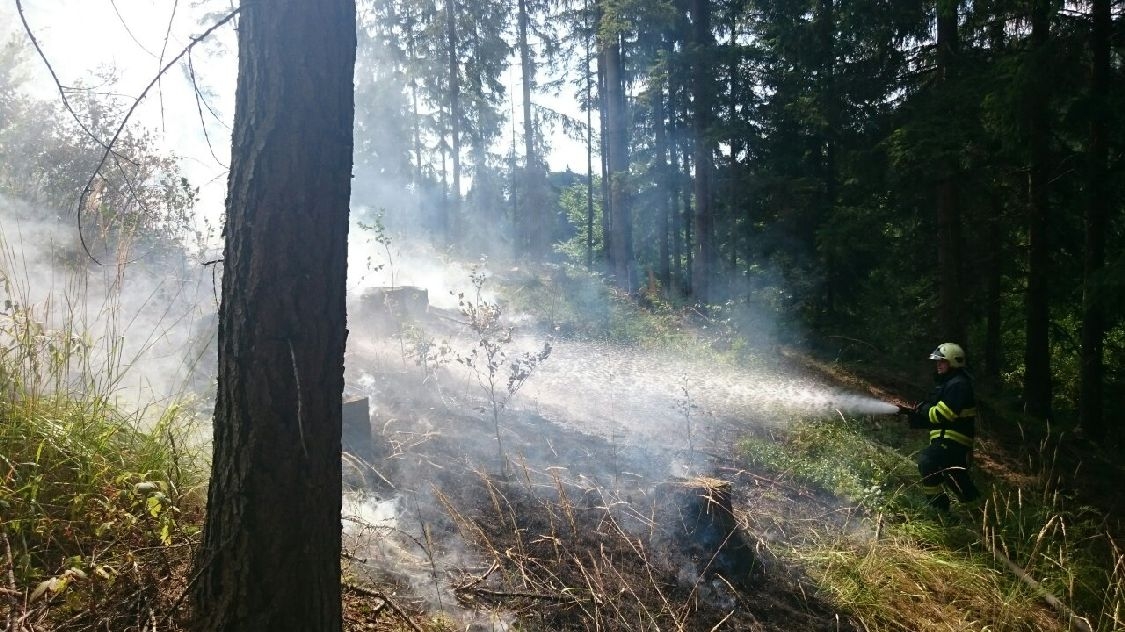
(952, 352)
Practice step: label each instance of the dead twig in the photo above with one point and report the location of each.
(12, 591)
(502, 594)
(386, 601)
(478, 579)
(108, 147)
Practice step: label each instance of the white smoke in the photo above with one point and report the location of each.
(143, 330)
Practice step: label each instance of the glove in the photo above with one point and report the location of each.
(909, 410)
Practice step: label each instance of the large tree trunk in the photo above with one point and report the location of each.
(950, 294)
(617, 153)
(1037, 353)
(663, 184)
(830, 105)
(704, 264)
(1091, 371)
(589, 141)
(270, 556)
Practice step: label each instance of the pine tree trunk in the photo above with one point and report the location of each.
(270, 555)
(705, 261)
(589, 143)
(531, 224)
(994, 273)
(950, 294)
(603, 129)
(675, 175)
(662, 181)
(830, 106)
(415, 120)
(617, 152)
(1091, 371)
(453, 212)
(1037, 355)
(686, 213)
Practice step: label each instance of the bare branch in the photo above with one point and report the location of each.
(124, 121)
(163, 51)
(58, 83)
(200, 101)
(121, 19)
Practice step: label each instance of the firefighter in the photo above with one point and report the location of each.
(950, 416)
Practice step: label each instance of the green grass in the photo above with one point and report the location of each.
(912, 567)
(99, 508)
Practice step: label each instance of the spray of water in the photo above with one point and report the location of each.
(611, 388)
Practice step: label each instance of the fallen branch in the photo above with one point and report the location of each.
(480, 578)
(498, 594)
(1070, 616)
(386, 601)
(13, 593)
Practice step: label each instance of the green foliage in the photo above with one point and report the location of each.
(94, 511)
(572, 302)
(835, 455)
(1060, 542)
(378, 234)
(138, 202)
(427, 352)
(573, 202)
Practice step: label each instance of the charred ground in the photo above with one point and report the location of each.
(601, 513)
(581, 526)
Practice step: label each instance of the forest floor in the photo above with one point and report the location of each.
(576, 510)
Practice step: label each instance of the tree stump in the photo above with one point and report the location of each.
(696, 517)
(357, 443)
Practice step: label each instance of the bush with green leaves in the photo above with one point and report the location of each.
(98, 507)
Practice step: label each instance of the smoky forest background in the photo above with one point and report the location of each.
(688, 210)
(878, 174)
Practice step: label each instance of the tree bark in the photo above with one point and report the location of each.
(950, 294)
(1037, 354)
(416, 122)
(589, 141)
(830, 105)
(453, 211)
(705, 261)
(532, 204)
(994, 273)
(617, 153)
(662, 181)
(1091, 369)
(270, 556)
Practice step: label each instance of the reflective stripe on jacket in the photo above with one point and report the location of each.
(951, 412)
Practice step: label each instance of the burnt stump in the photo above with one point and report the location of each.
(695, 522)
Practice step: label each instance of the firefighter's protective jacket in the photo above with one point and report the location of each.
(950, 413)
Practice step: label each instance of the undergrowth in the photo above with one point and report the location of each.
(572, 302)
(944, 571)
(98, 507)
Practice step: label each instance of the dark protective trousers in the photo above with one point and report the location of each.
(943, 464)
